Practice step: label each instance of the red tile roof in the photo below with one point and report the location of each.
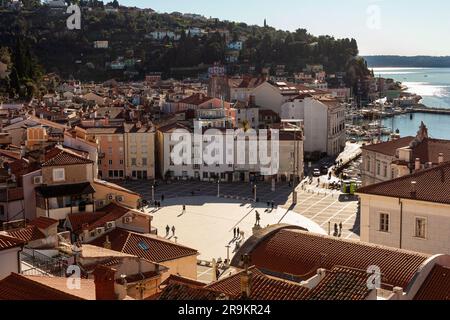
(389, 148)
(59, 157)
(248, 82)
(429, 149)
(44, 222)
(180, 291)
(7, 242)
(196, 99)
(342, 283)
(160, 250)
(295, 254)
(77, 220)
(178, 279)
(27, 234)
(432, 185)
(436, 286)
(112, 212)
(262, 288)
(18, 287)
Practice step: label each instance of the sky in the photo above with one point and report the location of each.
(397, 27)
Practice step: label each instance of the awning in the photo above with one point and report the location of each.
(65, 190)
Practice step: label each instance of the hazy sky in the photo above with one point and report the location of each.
(404, 27)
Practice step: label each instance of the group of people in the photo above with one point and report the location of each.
(236, 233)
(271, 205)
(338, 230)
(168, 230)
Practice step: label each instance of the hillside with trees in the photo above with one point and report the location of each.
(71, 53)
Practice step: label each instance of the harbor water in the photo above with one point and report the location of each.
(433, 84)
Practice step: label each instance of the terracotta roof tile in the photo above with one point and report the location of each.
(196, 99)
(77, 220)
(262, 288)
(59, 157)
(27, 234)
(178, 279)
(436, 286)
(159, 250)
(432, 185)
(342, 283)
(7, 242)
(17, 287)
(43, 222)
(389, 148)
(179, 291)
(429, 149)
(296, 254)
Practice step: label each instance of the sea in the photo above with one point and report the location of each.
(433, 84)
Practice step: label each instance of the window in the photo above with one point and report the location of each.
(121, 161)
(368, 164)
(384, 222)
(392, 173)
(110, 162)
(205, 175)
(144, 161)
(99, 162)
(59, 175)
(143, 246)
(385, 170)
(378, 168)
(133, 161)
(110, 173)
(121, 173)
(2, 210)
(421, 228)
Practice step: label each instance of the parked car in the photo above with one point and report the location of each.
(324, 170)
(316, 173)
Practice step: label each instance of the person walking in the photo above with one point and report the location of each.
(184, 208)
(162, 197)
(234, 233)
(167, 230)
(237, 232)
(173, 230)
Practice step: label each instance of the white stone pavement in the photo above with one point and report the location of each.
(208, 223)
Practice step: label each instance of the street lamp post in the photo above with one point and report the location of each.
(254, 192)
(153, 194)
(218, 188)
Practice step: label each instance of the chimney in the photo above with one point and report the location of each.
(107, 243)
(414, 189)
(104, 283)
(441, 158)
(246, 279)
(398, 292)
(418, 164)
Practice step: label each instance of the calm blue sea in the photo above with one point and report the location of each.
(433, 84)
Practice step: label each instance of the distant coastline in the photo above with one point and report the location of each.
(385, 61)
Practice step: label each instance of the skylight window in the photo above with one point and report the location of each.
(143, 245)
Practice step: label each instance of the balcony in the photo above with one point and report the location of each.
(57, 202)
